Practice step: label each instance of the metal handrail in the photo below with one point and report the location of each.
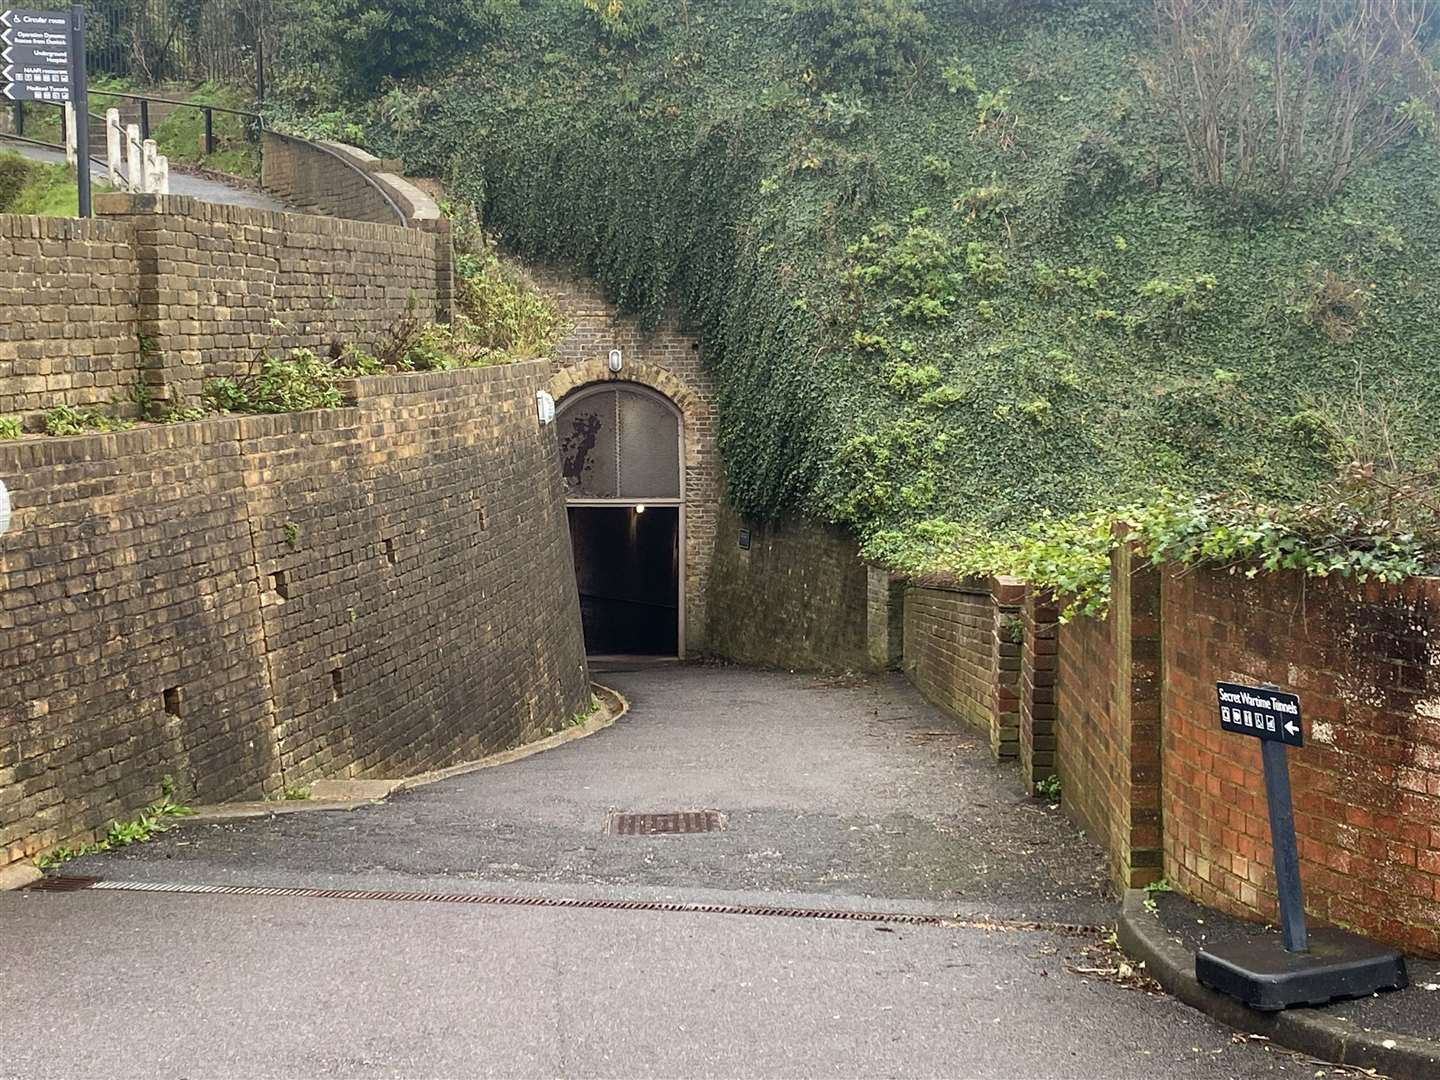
(401, 216)
(6, 136)
(174, 101)
(208, 111)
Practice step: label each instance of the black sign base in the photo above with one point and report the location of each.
(1264, 976)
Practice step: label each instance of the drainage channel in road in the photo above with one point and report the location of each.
(60, 883)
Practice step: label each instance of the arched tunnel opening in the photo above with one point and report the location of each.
(621, 449)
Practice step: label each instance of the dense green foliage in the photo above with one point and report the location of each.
(951, 263)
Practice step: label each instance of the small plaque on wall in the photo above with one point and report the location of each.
(744, 539)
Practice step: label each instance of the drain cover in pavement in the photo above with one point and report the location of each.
(696, 821)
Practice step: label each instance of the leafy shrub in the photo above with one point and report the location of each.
(907, 378)
(431, 348)
(984, 264)
(10, 428)
(625, 21)
(68, 420)
(1172, 306)
(505, 316)
(301, 381)
(15, 173)
(1337, 306)
(865, 43)
(916, 270)
(371, 41)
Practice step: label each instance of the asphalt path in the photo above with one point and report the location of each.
(196, 187)
(104, 985)
(839, 794)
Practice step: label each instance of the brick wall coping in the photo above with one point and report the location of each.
(23, 454)
(33, 227)
(122, 204)
(416, 204)
(1007, 591)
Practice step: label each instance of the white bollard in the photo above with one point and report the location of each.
(134, 174)
(152, 179)
(114, 141)
(72, 135)
(162, 174)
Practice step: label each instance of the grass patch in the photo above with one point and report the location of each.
(32, 187)
(181, 135)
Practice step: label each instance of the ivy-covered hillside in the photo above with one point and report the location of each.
(956, 261)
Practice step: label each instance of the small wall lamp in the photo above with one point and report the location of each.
(545, 406)
(617, 361)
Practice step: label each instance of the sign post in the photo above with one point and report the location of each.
(44, 60)
(80, 97)
(1309, 969)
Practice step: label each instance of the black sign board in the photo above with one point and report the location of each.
(745, 539)
(36, 55)
(1260, 712)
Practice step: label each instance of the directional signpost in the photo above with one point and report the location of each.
(44, 60)
(1310, 969)
(36, 54)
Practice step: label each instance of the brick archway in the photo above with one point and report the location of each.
(690, 404)
(698, 465)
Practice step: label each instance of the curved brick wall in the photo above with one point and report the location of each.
(342, 181)
(254, 603)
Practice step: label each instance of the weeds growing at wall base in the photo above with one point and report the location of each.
(157, 818)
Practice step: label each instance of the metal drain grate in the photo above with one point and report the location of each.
(58, 883)
(678, 824)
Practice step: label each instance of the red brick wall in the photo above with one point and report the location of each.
(963, 642)
(1367, 784)
(1038, 668)
(1108, 724)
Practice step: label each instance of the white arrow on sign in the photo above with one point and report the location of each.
(1290, 728)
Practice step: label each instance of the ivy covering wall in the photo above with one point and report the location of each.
(950, 261)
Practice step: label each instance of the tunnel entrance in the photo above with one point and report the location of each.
(620, 453)
(628, 566)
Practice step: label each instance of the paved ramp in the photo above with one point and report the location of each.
(196, 187)
(499, 923)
